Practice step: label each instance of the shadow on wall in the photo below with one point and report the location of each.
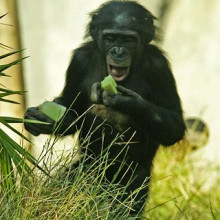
(197, 134)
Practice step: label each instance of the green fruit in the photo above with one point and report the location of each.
(109, 84)
(52, 110)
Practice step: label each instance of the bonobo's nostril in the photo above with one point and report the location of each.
(120, 52)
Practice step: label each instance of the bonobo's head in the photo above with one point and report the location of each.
(121, 30)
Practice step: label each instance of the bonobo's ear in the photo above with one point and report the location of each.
(92, 28)
(149, 29)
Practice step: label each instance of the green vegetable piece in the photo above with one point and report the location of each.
(52, 110)
(109, 84)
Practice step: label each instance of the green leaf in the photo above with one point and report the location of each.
(6, 66)
(9, 54)
(11, 91)
(6, 167)
(1, 16)
(12, 151)
(5, 46)
(6, 24)
(7, 93)
(13, 129)
(3, 74)
(14, 147)
(9, 101)
(21, 120)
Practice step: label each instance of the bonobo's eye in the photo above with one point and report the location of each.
(129, 38)
(110, 37)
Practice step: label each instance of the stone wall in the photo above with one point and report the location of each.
(192, 36)
(52, 28)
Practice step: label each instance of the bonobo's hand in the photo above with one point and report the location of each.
(124, 99)
(36, 129)
(96, 93)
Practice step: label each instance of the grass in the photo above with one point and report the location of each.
(178, 190)
(183, 187)
(85, 196)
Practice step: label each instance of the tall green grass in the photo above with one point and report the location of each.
(77, 192)
(183, 186)
(12, 154)
(178, 190)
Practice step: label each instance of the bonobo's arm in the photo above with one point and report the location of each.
(162, 115)
(164, 124)
(71, 90)
(62, 127)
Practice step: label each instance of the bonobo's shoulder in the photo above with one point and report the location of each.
(155, 51)
(156, 56)
(85, 49)
(83, 53)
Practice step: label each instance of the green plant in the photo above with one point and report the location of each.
(11, 153)
(14, 158)
(184, 186)
(73, 192)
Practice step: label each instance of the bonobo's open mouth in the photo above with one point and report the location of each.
(119, 68)
(118, 73)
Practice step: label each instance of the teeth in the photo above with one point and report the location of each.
(119, 73)
(118, 67)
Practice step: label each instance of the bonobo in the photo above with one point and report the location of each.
(146, 105)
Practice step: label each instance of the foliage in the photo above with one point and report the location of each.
(11, 153)
(13, 157)
(178, 190)
(81, 192)
(184, 186)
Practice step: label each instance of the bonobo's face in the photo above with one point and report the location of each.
(121, 30)
(119, 47)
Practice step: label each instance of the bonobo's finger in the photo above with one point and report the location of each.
(96, 93)
(30, 128)
(107, 98)
(35, 114)
(125, 91)
(129, 93)
(37, 129)
(97, 85)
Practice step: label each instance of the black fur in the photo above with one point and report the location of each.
(147, 101)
